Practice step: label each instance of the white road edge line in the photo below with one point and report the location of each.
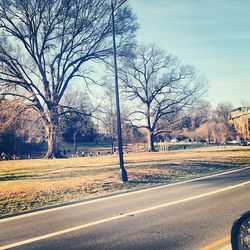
(116, 196)
(46, 236)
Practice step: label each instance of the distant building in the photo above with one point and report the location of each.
(240, 119)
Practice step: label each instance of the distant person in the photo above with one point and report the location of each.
(3, 156)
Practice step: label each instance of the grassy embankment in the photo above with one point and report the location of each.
(28, 184)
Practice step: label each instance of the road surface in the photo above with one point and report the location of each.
(195, 214)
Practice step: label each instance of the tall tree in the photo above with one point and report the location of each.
(223, 130)
(27, 125)
(108, 112)
(17, 134)
(45, 44)
(222, 111)
(161, 86)
(76, 121)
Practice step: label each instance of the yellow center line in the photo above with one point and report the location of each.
(216, 244)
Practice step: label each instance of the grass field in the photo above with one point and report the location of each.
(29, 184)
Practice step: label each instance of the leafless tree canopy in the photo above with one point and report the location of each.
(161, 86)
(223, 110)
(77, 123)
(46, 43)
(24, 123)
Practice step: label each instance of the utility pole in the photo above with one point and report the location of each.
(123, 172)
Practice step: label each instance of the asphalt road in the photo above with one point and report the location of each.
(187, 215)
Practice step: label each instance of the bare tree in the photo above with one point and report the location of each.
(108, 112)
(223, 130)
(76, 121)
(18, 134)
(24, 122)
(161, 86)
(45, 44)
(222, 111)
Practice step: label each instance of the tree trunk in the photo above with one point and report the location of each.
(75, 142)
(52, 149)
(151, 147)
(51, 128)
(112, 146)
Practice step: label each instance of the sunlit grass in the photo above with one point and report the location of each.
(28, 184)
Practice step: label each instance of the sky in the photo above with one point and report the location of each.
(212, 35)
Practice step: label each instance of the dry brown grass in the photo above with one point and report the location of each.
(28, 184)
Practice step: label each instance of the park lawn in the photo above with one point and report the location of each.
(30, 184)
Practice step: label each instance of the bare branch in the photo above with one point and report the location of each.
(160, 85)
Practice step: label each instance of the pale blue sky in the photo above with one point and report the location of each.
(213, 35)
